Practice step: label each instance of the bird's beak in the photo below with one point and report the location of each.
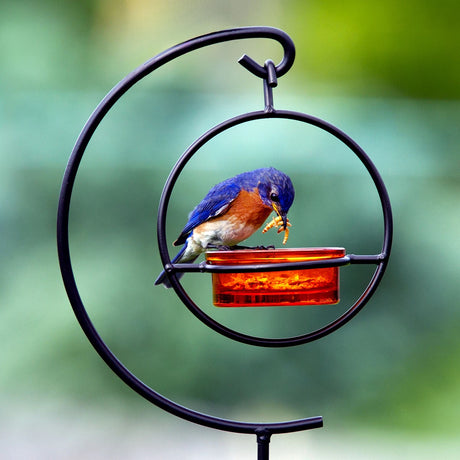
(282, 215)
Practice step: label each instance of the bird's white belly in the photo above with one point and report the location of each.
(222, 232)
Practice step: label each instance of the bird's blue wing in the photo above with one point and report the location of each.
(214, 204)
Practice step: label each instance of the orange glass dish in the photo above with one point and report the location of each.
(313, 286)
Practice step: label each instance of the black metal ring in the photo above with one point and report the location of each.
(63, 229)
(381, 259)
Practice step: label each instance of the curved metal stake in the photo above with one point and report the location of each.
(63, 229)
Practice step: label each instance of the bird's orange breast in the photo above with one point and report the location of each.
(249, 208)
(244, 216)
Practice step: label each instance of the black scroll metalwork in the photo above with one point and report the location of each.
(269, 73)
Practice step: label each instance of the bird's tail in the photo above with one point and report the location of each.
(163, 279)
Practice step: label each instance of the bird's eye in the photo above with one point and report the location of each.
(274, 197)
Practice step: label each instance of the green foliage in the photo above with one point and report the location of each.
(400, 49)
(388, 48)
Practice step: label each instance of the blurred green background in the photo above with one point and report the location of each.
(387, 73)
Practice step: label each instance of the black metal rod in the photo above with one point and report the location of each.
(270, 82)
(204, 267)
(268, 97)
(263, 444)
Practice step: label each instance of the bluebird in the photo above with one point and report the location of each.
(232, 211)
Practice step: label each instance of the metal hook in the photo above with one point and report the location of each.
(270, 82)
(272, 79)
(288, 59)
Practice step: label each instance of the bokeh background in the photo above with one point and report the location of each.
(387, 73)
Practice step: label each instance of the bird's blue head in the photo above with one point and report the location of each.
(276, 190)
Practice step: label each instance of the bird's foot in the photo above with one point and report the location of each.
(220, 247)
(237, 246)
(261, 248)
(278, 222)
